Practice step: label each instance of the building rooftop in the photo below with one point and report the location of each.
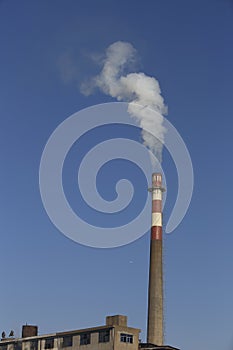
(148, 346)
(115, 334)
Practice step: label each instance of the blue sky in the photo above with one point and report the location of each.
(47, 50)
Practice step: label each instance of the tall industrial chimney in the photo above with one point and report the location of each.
(155, 333)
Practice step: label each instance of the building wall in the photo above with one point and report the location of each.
(94, 345)
(119, 345)
(117, 333)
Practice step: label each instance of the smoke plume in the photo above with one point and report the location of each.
(141, 91)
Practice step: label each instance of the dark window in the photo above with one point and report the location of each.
(18, 346)
(3, 347)
(126, 338)
(33, 345)
(85, 338)
(67, 341)
(49, 343)
(104, 336)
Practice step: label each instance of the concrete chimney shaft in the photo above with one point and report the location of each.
(155, 332)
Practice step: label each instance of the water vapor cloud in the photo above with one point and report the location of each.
(142, 92)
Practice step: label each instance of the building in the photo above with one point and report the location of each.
(114, 335)
(148, 346)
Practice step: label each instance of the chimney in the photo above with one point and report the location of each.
(116, 320)
(155, 333)
(29, 331)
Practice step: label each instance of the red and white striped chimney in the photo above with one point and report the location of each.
(155, 332)
(157, 192)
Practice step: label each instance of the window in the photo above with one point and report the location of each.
(104, 336)
(126, 338)
(67, 341)
(49, 343)
(85, 338)
(3, 347)
(33, 345)
(17, 346)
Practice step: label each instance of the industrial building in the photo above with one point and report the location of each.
(114, 335)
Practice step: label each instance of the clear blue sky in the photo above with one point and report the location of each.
(51, 281)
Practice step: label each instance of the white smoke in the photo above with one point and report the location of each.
(141, 91)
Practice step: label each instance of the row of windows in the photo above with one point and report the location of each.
(14, 346)
(85, 338)
(67, 341)
(104, 337)
(49, 344)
